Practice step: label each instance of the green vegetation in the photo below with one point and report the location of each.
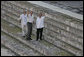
(6, 26)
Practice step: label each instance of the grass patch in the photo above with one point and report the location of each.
(2, 33)
(63, 53)
(46, 43)
(6, 26)
(43, 41)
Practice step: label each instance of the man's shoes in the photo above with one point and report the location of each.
(28, 39)
(23, 36)
(41, 39)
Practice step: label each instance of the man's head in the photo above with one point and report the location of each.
(31, 10)
(24, 11)
(40, 14)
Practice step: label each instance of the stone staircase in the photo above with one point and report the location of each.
(63, 35)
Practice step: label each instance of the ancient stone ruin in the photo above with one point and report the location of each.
(63, 32)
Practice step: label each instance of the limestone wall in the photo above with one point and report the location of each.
(61, 30)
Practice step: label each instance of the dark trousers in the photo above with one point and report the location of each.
(39, 33)
(29, 26)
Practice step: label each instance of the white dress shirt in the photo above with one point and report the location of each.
(30, 18)
(40, 22)
(23, 19)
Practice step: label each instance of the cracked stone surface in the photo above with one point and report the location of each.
(6, 52)
(74, 6)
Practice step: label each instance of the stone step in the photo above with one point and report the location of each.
(9, 13)
(48, 29)
(55, 8)
(66, 38)
(68, 5)
(41, 47)
(61, 38)
(66, 21)
(77, 31)
(17, 46)
(6, 51)
(25, 4)
(61, 44)
(68, 28)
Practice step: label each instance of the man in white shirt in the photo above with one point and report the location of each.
(23, 19)
(30, 19)
(40, 25)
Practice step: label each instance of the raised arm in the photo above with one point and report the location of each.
(43, 14)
